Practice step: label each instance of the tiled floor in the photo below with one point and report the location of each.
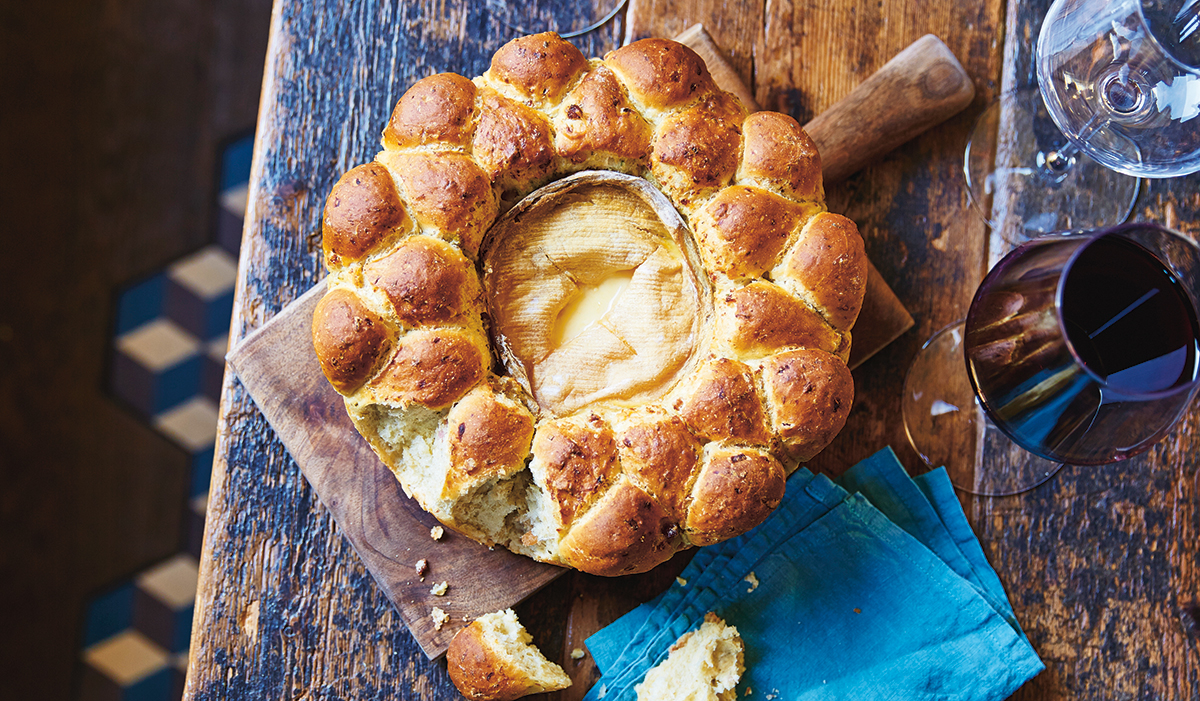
(168, 348)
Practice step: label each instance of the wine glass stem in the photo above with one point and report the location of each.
(1061, 159)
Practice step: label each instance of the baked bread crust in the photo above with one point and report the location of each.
(405, 333)
(494, 659)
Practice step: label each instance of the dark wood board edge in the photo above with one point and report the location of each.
(879, 302)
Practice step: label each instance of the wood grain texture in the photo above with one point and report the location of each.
(922, 86)
(723, 72)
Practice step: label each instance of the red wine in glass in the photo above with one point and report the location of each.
(1082, 348)
(1128, 319)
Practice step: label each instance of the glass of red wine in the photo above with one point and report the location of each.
(1079, 348)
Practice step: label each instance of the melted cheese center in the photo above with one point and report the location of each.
(592, 300)
(589, 306)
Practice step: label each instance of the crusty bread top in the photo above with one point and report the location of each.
(537, 68)
(613, 481)
(779, 155)
(599, 118)
(660, 74)
(363, 210)
(351, 340)
(436, 111)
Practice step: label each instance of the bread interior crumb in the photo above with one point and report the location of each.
(512, 641)
(704, 665)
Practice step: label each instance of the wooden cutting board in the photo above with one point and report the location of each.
(920, 87)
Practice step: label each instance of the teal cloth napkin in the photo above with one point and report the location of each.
(874, 587)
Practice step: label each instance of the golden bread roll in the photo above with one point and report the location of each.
(494, 659)
(625, 363)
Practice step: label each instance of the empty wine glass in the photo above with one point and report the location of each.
(1080, 348)
(1118, 97)
(1121, 79)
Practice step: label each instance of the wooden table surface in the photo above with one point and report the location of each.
(1100, 563)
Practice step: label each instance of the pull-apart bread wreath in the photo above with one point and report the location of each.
(455, 321)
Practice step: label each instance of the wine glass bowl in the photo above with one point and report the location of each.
(1083, 348)
(1117, 98)
(1120, 80)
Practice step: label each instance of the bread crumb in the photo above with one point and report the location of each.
(440, 589)
(439, 618)
(603, 691)
(422, 568)
(577, 653)
(682, 582)
(753, 582)
(437, 532)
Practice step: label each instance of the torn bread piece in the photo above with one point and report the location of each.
(493, 659)
(704, 665)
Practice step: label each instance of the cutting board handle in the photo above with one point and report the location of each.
(921, 86)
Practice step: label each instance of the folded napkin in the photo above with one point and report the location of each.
(874, 587)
